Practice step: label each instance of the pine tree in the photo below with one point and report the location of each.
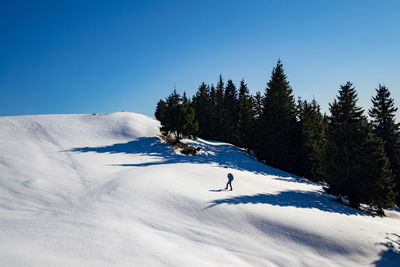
(378, 184)
(258, 105)
(312, 136)
(345, 137)
(256, 131)
(213, 114)
(190, 125)
(277, 143)
(160, 112)
(245, 116)
(176, 117)
(219, 109)
(383, 120)
(202, 105)
(230, 113)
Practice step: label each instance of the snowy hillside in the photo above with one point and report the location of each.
(103, 190)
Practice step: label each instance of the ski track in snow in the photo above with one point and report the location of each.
(104, 190)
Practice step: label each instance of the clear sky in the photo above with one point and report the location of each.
(106, 56)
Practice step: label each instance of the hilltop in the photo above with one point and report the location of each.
(105, 190)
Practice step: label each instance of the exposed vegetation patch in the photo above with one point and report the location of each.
(185, 148)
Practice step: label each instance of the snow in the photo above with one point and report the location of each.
(104, 190)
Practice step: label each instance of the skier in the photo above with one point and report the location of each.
(230, 179)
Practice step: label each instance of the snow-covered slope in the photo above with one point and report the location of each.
(103, 190)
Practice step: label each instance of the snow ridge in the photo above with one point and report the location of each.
(104, 190)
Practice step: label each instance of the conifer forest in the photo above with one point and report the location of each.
(358, 157)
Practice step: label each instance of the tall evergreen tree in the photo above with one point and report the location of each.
(278, 141)
(170, 114)
(377, 187)
(213, 114)
(190, 127)
(258, 105)
(356, 164)
(245, 116)
(345, 137)
(230, 113)
(202, 106)
(161, 112)
(256, 131)
(383, 120)
(312, 136)
(219, 109)
(176, 116)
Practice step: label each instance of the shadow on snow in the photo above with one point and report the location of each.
(298, 199)
(229, 156)
(225, 155)
(390, 256)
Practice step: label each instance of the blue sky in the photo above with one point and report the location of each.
(106, 56)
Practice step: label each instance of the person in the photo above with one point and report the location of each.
(230, 179)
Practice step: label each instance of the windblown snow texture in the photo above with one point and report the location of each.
(104, 190)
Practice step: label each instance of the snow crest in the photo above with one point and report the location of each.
(104, 190)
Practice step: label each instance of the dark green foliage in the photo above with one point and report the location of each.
(377, 186)
(258, 100)
(202, 105)
(345, 136)
(190, 126)
(312, 133)
(358, 159)
(213, 124)
(176, 117)
(167, 112)
(355, 162)
(255, 135)
(245, 116)
(161, 112)
(230, 113)
(383, 120)
(219, 109)
(277, 126)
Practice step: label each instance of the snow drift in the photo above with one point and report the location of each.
(103, 190)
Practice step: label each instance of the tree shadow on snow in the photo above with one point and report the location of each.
(298, 199)
(390, 256)
(225, 155)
